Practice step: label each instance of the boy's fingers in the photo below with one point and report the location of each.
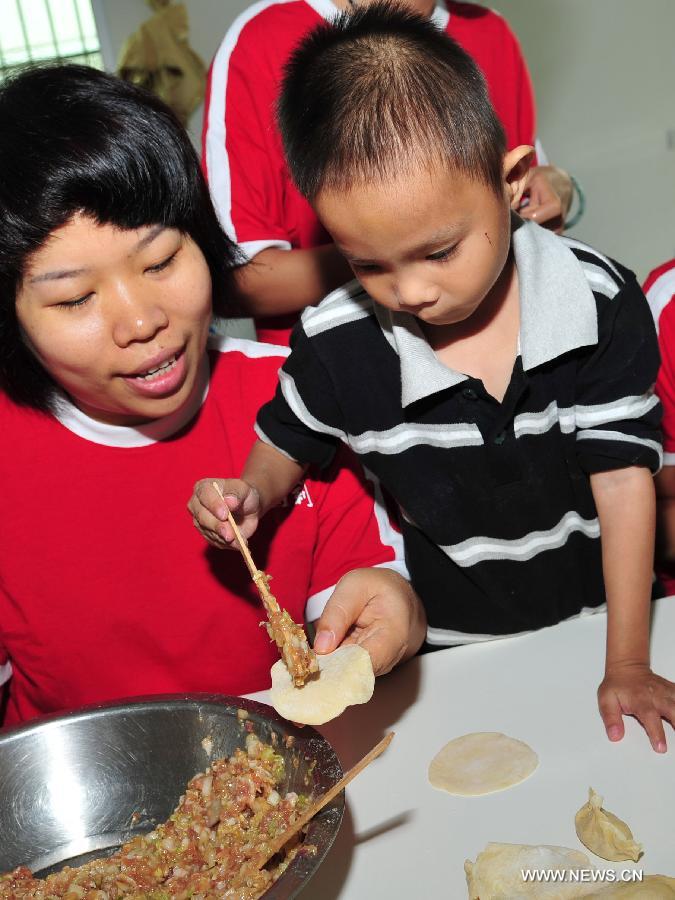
(652, 724)
(610, 710)
(208, 496)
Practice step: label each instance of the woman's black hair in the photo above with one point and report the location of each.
(73, 139)
(379, 91)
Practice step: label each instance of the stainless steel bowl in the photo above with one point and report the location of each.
(78, 786)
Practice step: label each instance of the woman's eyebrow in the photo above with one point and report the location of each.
(58, 273)
(149, 237)
(72, 273)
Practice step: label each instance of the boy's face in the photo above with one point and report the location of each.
(431, 243)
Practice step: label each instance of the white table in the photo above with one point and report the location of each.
(401, 838)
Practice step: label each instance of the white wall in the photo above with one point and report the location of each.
(209, 20)
(604, 75)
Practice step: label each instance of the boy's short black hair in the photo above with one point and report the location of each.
(73, 139)
(379, 91)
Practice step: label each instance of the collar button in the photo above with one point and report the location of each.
(469, 394)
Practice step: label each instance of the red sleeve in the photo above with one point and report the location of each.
(355, 530)
(660, 291)
(241, 150)
(487, 37)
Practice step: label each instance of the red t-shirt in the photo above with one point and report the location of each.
(106, 588)
(660, 290)
(242, 153)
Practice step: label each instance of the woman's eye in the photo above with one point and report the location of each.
(164, 264)
(74, 304)
(442, 255)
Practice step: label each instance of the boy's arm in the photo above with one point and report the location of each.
(268, 478)
(626, 509)
(665, 516)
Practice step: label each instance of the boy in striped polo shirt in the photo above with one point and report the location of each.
(496, 378)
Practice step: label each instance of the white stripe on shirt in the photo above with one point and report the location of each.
(481, 549)
(444, 637)
(660, 294)
(593, 434)
(217, 160)
(412, 434)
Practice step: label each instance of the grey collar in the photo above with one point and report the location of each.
(557, 315)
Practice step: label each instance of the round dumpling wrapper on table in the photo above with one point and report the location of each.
(498, 872)
(345, 679)
(481, 763)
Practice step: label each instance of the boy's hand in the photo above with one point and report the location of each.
(634, 690)
(377, 609)
(209, 512)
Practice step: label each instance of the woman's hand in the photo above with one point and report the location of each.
(377, 609)
(549, 190)
(209, 511)
(633, 689)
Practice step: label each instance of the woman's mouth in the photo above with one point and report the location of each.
(160, 379)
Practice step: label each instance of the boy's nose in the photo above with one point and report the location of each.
(413, 295)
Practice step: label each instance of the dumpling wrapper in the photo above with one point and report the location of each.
(345, 679)
(652, 887)
(497, 875)
(481, 763)
(497, 872)
(603, 833)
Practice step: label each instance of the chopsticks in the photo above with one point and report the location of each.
(319, 804)
(289, 637)
(259, 577)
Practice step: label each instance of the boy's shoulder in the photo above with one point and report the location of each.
(346, 304)
(605, 276)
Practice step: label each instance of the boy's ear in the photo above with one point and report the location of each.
(516, 169)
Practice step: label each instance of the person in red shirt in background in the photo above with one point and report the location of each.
(291, 261)
(660, 291)
(111, 262)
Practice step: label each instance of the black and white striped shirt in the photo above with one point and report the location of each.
(501, 530)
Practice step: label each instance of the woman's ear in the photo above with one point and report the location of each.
(516, 171)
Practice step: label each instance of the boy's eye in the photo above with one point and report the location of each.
(365, 267)
(74, 304)
(441, 255)
(164, 264)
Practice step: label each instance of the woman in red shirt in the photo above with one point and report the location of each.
(112, 400)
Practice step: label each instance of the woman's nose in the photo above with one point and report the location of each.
(137, 318)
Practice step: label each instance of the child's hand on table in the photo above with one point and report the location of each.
(632, 689)
(209, 512)
(377, 609)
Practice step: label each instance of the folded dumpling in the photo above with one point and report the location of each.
(603, 833)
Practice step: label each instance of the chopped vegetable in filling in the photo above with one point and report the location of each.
(211, 846)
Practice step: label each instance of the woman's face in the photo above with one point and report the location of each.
(118, 318)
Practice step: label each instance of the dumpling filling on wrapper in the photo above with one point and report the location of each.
(345, 678)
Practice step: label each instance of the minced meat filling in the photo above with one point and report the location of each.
(211, 846)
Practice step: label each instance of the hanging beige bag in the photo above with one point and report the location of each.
(158, 57)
